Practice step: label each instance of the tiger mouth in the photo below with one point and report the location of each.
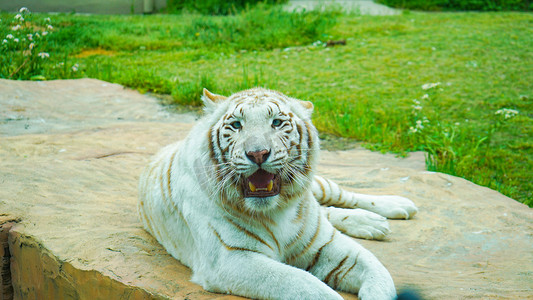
(261, 184)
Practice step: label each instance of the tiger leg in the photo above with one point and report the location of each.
(345, 265)
(328, 193)
(257, 276)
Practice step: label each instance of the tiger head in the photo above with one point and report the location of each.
(263, 147)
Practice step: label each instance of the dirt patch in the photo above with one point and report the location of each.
(91, 52)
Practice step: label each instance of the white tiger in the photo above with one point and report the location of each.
(236, 201)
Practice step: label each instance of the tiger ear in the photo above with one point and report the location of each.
(307, 104)
(211, 100)
(307, 108)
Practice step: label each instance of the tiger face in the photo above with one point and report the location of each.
(263, 147)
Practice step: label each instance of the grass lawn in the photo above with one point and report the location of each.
(375, 89)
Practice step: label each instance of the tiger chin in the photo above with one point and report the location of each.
(238, 202)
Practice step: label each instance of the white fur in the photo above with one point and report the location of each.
(261, 247)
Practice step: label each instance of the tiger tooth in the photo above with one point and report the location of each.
(270, 185)
(251, 186)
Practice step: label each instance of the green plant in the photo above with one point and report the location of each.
(260, 28)
(25, 48)
(451, 149)
(481, 5)
(216, 7)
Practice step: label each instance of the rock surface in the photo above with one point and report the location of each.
(70, 156)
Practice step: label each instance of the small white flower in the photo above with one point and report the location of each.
(75, 68)
(15, 40)
(416, 102)
(30, 37)
(50, 27)
(47, 20)
(4, 41)
(43, 55)
(15, 28)
(426, 96)
(507, 112)
(37, 35)
(419, 125)
(428, 86)
(44, 33)
(24, 9)
(457, 123)
(32, 45)
(9, 36)
(18, 16)
(417, 107)
(412, 129)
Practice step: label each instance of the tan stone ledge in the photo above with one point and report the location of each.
(70, 156)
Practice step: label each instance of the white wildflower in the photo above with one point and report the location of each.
(43, 55)
(428, 86)
(4, 41)
(457, 123)
(24, 9)
(9, 36)
(416, 102)
(32, 45)
(426, 96)
(419, 125)
(49, 27)
(417, 107)
(15, 40)
(507, 112)
(47, 20)
(30, 37)
(75, 68)
(412, 130)
(37, 35)
(16, 27)
(44, 33)
(18, 17)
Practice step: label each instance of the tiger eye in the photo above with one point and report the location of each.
(276, 122)
(236, 125)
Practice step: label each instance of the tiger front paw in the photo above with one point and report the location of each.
(391, 207)
(358, 223)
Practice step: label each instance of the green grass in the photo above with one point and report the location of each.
(364, 90)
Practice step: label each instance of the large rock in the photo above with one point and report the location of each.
(70, 156)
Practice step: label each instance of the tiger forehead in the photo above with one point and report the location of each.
(257, 96)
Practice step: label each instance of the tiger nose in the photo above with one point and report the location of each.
(258, 157)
